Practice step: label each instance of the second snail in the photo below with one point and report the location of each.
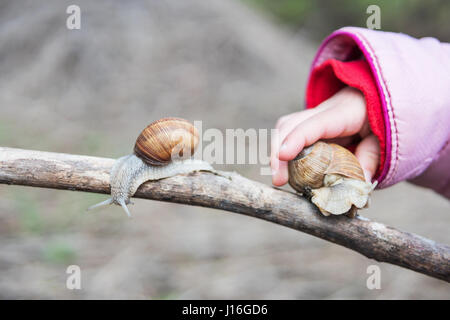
(331, 176)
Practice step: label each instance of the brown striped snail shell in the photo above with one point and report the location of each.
(332, 176)
(166, 139)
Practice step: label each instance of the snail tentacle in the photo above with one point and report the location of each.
(125, 208)
(101, 204)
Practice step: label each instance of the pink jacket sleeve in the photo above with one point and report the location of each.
(413, 82)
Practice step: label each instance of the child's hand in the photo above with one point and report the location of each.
(342, 118)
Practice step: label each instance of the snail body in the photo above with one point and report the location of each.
(162, 150)
(333, 178)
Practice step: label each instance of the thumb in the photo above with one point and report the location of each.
(368, 154)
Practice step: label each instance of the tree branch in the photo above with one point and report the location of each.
(234, 193)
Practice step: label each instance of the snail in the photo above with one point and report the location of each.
(332, 176)
(162, 150)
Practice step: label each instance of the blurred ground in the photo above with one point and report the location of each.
(91, 92)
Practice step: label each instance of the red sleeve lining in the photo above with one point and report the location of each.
(332, 75)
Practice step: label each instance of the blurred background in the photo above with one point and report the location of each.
(232, 64)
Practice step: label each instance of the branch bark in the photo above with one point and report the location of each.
(232, 192)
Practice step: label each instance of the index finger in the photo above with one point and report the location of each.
(341, 121)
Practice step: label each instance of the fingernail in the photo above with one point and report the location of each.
(274, 172)
(283, 147)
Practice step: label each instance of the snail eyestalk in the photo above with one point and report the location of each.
(124, 206)
(111, 201)
(101, 204)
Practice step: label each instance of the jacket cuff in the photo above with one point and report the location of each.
(348, 45)
(332, 75)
